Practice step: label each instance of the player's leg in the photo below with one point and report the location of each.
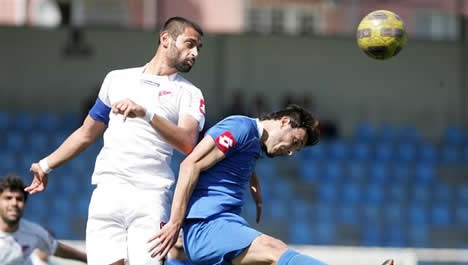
(106, 235)
(149, 212)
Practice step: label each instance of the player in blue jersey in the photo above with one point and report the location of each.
(211, 185)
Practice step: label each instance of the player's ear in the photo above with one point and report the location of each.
(284, 121)
(164, 38)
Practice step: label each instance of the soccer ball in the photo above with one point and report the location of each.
(381, 34)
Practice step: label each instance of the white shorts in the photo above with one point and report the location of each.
(121, 220)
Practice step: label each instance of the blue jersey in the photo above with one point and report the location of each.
(221, 188)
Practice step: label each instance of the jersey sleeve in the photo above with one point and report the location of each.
(229, 135)
(102, 107)
(193, 104)
(46, 242)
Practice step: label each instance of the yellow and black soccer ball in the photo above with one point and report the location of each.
(381, 34)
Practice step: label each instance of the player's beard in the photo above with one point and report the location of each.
(178, 62)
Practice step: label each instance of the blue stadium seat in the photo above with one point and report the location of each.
(15, 141)
(329, 192)
(443, 193)
(62, 206)
(401, 173)
(371, 213)
(417, 214)
(397, 193)
(4, 120)
(325, 233)
(394, 213)
(23, 121)
(395, 236)
(348, 214)
(451, 154)
(9, 162)
(83, 205)
(406, 152)
(379, 172)
(38, 142)
(461, 215)
(441, 215)
(324, 212)
(357, 171)
(375, 193)
(333, 171)
(300, 232)
(69, 122)
(361, 151)
(425, 173)
(300, 209)
(421, 193)
(48, 121)
(418, 236)
(351, 193)
(383, 152)
(265, 168)
(462, 194)
(316, 153)
(59, 226)
(310, 172)
(338, 150)
(372, 235)
(275, 209)
(454, 135)
(364, 132)
(428, 153)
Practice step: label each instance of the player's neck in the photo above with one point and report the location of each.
(8, 228)
(159, 66)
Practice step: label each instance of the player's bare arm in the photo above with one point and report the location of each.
(78, 141)
(204, 156)
(68, 252)
(182, 136)
(256, 191)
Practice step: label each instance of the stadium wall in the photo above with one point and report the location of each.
(421, 85)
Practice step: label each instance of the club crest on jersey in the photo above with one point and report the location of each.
(149, 82)
(202, 106)
(225, 141)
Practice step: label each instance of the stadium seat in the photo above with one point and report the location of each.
(333, 171)
(406, 152)
(4, 120)
(401, 173)
(394, 236)
(300, 209)
(9, 162)
(316, 153)
(348, 214)
(418, 236)
(324, 233)
(82, 205)
(454, 135)
(59, 226)
(409, 133)
(383, 152)
(443, 193)
(364, 132)
(22, 121)
(370, 213)
(461, 215)
(417, 214)
(378, 172)
(351, 193)
(324, 212)
(48, 121)
(357, 171)
(329, 192)
(450, 154)
(425, 173)
(310, 172)
(375, 193)
(274, 209)
(441, 215)
(15, 141)
(386, 132)
(300, 232)
(462, 194)
(394, 213)
(427, 153)
(421, 193)
(361, 151)
(338, 150)
(397, 193)
(372, 235)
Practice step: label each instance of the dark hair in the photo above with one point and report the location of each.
(13, 183)
(176, 26)
(299, 118)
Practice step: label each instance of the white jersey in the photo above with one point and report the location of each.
(134, 152)
(16, 248)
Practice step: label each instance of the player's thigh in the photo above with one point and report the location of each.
(147, 217)
(263, 250)
(106, 235)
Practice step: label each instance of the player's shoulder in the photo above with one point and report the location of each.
(184, 83)
(240, 122)
(124, 72)
(27, 226)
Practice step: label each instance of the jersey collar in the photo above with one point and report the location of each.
(259, 128)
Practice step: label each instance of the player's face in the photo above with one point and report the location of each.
(184, 50)
(11, 206)
(285, 141)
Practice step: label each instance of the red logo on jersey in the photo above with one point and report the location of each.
(164, 92)
(161, 224)
(225, 141)
(202, 106)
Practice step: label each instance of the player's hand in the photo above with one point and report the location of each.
(162, 242)
(128, 108)
(40, 179)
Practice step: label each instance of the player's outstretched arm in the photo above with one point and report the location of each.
(71, 147)
(182, 136)
(68, 252)
(204, 156)
(256, 191)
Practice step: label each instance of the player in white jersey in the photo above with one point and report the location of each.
(145, 112)
(19, 237)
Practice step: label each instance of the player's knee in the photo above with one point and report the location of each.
(272, 247)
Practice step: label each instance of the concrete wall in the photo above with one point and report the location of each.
(421, 85)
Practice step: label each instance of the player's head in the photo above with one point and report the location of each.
(181, 39)
(293, 129)
(12, 200)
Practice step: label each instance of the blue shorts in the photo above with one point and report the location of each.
(217, 240)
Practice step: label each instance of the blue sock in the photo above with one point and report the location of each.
(291, 257)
